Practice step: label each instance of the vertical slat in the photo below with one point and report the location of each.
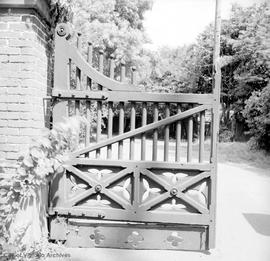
(78, 79)
(167, 133)
(110, 128)
(90, 53)
(79, 42)
(88, 125)
(100, 65)
(112, 65)
(123, 71)
(101, 60)
(133, 75)
(132, 117)
(202, 131)
(132, 127)
(89, 60)
(178, 136)
(121, 129)
(143, 137)
(88, 103)
(99, 103)
(98, 137)
(78, 87)
(110, 112)
(69, 77)
(155, 133)
(189, 139)
(121, 113)
(88, 83)
(69, 74)
(78, 71)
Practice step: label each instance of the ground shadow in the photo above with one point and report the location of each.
(260, 222)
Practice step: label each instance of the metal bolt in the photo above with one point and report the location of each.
(98, 188)
(174, 191)
(61, 31)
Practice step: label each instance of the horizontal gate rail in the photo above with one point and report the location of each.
(142, 164)
(177, 218)
(133, 96)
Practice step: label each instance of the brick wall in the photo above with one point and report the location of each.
(25, 81)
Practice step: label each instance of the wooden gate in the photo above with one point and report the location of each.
(135, 183)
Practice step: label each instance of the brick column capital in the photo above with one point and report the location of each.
(41, 6)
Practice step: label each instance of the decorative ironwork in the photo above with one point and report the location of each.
(97, 237)
(148, 190)
(135, 238)
(175, 239)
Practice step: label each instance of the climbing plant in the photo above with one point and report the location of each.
(35, 168)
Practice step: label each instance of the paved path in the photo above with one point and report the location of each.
(243, 224)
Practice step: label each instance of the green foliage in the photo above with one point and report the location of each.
(257, 114)
(43, 159)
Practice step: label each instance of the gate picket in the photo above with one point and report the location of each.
(155, 133)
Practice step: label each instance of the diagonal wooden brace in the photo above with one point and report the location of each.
(141, 130)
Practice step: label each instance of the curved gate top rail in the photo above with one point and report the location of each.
(145, 175)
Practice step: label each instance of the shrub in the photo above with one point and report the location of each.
(257, 115)
(43, 159)
(225, 135)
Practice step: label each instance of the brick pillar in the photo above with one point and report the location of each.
(25, 76)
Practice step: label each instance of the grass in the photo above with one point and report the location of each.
(239, 152)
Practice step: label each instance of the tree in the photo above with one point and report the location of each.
(245, 39)
(257, 114)
(113, 25)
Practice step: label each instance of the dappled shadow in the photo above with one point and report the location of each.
(260, 222)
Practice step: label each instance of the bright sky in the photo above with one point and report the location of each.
(178, 22)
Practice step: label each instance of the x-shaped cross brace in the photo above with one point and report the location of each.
(98, 186)
(174, 191)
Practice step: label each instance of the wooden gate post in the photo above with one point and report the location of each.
(215, 118)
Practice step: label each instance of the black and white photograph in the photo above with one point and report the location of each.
(134, 130)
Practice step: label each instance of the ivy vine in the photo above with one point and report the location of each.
(35, 168)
